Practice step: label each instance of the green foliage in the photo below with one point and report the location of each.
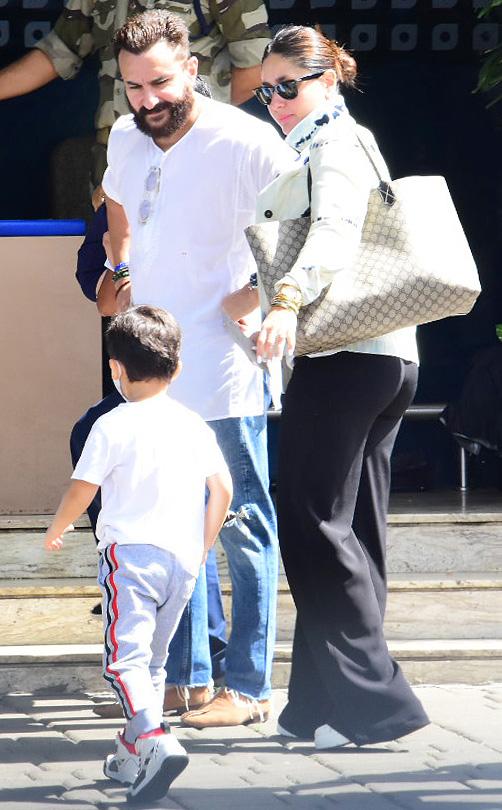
(490, 74)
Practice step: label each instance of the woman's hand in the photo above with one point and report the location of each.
(278, 333)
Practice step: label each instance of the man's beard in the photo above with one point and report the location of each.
(178, 116)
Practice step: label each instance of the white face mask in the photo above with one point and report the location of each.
(117, 384)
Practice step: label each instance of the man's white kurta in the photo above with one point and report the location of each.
(192, 250)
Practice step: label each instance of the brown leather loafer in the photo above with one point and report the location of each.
(181, 699)
(227, 708)
(176, 699)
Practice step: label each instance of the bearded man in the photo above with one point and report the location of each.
(227, 36)
(183, 175)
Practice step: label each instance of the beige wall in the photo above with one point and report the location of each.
(50, 368)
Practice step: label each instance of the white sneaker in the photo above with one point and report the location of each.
(283, 732)
(327, 737)
(162, 758)
(123, 765)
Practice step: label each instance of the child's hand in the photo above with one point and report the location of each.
(53, 543)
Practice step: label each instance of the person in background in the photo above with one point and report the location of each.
(227, 38)
(341, 414)
(153, 459)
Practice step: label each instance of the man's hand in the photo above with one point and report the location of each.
(123, 298)
(109, 302)
(240, 303)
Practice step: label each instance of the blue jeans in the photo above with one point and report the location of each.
(250, 543)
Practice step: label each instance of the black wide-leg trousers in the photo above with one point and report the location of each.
(340, 418)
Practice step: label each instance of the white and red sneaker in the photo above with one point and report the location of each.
(161, 759)
(123, 765)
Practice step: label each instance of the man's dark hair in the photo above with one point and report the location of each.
(141, 31)
(146, 340)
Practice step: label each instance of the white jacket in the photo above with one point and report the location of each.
(342, 178)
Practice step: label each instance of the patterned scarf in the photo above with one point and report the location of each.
(300, 137)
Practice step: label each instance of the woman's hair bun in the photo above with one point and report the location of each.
(343, 62)
(348, 67)
(313, 51)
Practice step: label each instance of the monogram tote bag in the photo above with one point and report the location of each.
(413, 266)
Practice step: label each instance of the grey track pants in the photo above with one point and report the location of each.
(145, 591)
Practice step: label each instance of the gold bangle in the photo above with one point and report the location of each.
(283, 303)
(290, 292)
(287, 299)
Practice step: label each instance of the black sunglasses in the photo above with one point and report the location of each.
(287, 89)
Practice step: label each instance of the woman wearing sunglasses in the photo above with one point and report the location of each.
(341, 414)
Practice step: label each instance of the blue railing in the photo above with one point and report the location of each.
(42, 227)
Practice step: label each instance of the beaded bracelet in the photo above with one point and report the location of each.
(118, 274)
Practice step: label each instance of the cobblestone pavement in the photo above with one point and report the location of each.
(52, 747)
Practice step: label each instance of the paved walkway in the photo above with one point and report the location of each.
(52, 747)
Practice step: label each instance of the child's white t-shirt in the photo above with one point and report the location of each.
(151, 459)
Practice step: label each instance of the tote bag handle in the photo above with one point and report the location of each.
(384, 187)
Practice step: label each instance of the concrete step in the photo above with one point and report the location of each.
(58, 611)
(436, 547)
(443, 614)
(445, 506)
(75, 667)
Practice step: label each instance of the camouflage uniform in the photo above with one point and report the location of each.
(222, 33)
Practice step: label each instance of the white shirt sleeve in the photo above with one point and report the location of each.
(212, 456)
(95, 463)
(270, 157)
(115, 157)
(341, 182)
(110, 182)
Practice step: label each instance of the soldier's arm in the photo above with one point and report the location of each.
(243, 82)
(244, 25)
(60, 53)
(70, 41)
(32, 71)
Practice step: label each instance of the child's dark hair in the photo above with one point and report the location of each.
(146, 340)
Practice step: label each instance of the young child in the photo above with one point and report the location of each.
(153, 459)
